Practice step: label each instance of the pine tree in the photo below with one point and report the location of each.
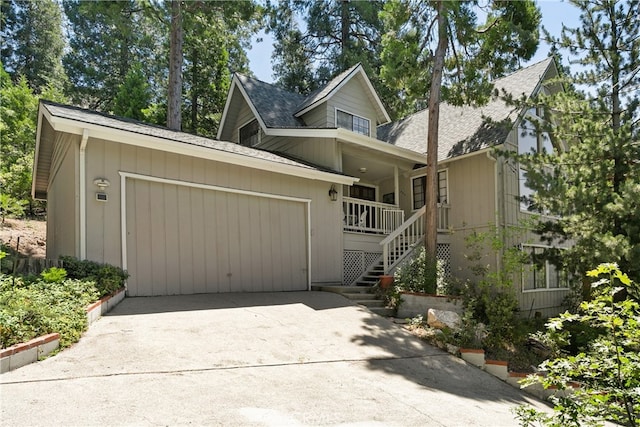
(32, 42)
(461, 56)
(594, 186)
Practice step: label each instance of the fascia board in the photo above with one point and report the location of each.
(251, 106)
(34, 172)
(176, 147)
(226, 105)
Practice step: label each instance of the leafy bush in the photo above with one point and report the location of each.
(108, 278)
(417, 273)
(607, 368)
(490, 298)
(28, 310)
(54, 275)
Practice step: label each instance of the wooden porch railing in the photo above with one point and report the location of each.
(403, 240)
(370, 217)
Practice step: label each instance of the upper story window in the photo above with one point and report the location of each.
(250, 134)
(531, 140)
(420, 183)
(353, 123)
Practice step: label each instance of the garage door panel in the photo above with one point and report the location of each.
(198, 238)
(170, 234)
(143, 235)
(158, 240)
(185, 285)
(191, 240)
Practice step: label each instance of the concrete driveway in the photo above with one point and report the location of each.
(302, 358)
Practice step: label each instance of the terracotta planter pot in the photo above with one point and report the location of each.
(386, 282)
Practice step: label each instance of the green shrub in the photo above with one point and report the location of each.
(417, 273)
(28, 310)
(607, 368)
(108, 278)
(54, 275)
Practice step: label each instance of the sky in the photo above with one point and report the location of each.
(554, 14)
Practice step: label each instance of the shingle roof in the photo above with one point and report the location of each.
(129, 125)
(275, 106)
(467, 129)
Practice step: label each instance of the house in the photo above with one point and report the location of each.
(295, 191)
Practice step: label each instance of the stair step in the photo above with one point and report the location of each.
(343, 289)
(372, 303)
(357, 295)
(383, 311)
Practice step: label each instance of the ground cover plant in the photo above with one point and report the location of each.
(54, 301)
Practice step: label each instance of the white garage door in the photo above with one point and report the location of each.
(186, 240)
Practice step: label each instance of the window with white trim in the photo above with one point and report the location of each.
(530, 141)
(353, 123)
(419, 184)
(250, 134)
(540, 274)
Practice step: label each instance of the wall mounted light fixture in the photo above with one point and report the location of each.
(102, 183)
(333, 193)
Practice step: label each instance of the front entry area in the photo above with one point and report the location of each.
(184, 238)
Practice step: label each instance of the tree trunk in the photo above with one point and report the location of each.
(344, 34)
(174, 116)
(431, 187)
(194, 92)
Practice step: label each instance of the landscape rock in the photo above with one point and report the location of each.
(440, 319)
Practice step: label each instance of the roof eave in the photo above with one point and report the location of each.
(61, 124)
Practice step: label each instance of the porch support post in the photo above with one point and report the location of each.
(396, 186)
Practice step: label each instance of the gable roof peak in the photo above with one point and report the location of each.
(326, 92)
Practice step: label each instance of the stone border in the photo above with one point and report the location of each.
(104, 305)
(24, 353)
(499, 369)
(31, 351)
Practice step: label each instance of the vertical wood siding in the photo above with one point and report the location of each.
(157, 208)
(352, 99)
(63, 210)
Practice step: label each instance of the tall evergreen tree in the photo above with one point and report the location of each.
(32, 42)
(594, 187)
(292, 66)
(338, 34)
(134, 95)
(461, 54)
(106, 39)
(18, 111)
(216, 35)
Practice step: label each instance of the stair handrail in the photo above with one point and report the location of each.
(393, 238)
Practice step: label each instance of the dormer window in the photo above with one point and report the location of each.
(250, 134)
(353, 123)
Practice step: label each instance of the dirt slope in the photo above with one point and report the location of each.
(32, 234)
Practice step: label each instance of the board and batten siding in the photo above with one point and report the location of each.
(318, 117)
(472, 199)
(63, 210)
(106, 159)
(240, 110)
(547, 302)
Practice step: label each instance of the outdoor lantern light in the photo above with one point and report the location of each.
(333, 193)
